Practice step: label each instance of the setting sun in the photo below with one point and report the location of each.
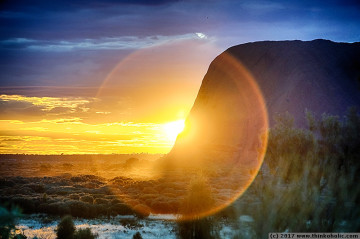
(172, 129)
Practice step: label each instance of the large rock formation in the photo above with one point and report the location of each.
(320, 75)
(225, 135)
(227, 118)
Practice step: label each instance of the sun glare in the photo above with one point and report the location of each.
(172, 129)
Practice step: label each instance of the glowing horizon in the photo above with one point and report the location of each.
(72, 136)
(132, 110)
(68, 132)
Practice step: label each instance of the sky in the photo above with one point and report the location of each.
(111, 76)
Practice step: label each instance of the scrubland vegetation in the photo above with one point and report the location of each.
(309, 182)
(310, 178)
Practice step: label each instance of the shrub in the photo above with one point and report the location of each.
(197, 229)
(162, 205)
(312, 177)
(66, 175)
(137, 235)
(99, 209)
(84, 234)
(66, 228)
(121, 209)
(199, 198)
(38, 188)
(4, 182)
(67, 166)
(44, 168)
(115, 201)
(131, 162)
(88, 199)
(149, 190)
(130, 223)
(20, 236)
(74, 196)
(90, 185)
(57, 208)
(100, 201)
(78, 209)
(286, 146)
(25, 190)
(26, 204)
(60, 190)
(44, 197)
(142, 210)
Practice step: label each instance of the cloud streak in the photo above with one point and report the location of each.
(49, 103)
(108, 43)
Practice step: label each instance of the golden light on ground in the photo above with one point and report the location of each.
(172, 129)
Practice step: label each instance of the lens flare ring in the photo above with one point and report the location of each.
(217, 155)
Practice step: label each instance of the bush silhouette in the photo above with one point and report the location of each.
(84, 234)
(137, 235)
(312, 184)
(66, 228)
(198, 200)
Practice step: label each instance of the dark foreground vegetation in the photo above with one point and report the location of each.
(309, 182)
(81, 196)
(310, 179)
(66, 230)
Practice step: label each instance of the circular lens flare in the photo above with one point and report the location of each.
(218, 151)
(225, 141)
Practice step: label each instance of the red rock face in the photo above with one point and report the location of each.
(224, 139)
(228, 117)
(320, 75)
(226, 129)
(290, 76)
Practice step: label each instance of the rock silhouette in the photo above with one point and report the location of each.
(227, 118)
(320, 75)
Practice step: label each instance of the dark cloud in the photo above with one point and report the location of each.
(59, 110)
(72, 69)
(50, 91)
(15, 105)
(49, 20)
(69, 5)
(13, 109)
(11, 139)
